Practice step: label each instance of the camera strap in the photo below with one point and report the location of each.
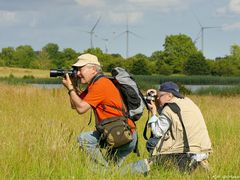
(176, 109)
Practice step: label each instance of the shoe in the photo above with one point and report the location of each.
(205, 165)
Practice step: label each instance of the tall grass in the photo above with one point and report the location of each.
(38, 132)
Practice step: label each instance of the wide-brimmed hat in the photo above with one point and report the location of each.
(172, 88)
(86, 59)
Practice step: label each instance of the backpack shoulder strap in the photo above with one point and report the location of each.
(97, 77)
(176, 109)
(94, 79)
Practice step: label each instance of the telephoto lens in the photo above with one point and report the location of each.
(62, 72)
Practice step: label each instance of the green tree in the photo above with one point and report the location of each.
(109, 61)
(24, 55)
(2, 63)
(7, 56)
(163, 68)
(235, 59)
(96, 51)
(68, 57)
(177, 49)
(42, 61)
(235, 51)
(196, 65)
(228, 65)
(53, 53)
(139, 65)
(223, 67)
(157, 55)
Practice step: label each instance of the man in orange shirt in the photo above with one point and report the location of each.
(104, 98)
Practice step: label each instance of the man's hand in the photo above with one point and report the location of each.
(152, 108)
(67, 82)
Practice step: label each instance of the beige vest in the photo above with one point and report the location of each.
(195, 126)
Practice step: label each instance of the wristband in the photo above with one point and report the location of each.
(70, 90)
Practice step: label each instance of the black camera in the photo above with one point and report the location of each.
(62, 72)
(151, 96)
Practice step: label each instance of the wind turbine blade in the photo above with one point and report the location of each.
(197, 20)
(211, 27)
(197, 38)
(120, 34)
(85, 31)
(134, 34)
(95, 24)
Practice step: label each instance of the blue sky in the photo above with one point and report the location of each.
(68, 23)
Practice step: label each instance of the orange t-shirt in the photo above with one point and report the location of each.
(101, 95)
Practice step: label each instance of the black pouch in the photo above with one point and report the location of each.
(115, 131)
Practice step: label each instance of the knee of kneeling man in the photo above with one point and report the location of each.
(81, 138)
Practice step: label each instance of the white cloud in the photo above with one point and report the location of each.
(231, 27)
(231, 9)
(122, 17)
(91, 3)
(7, 17)
(160, 5)
(234, 6)
(221, 11)
(18, 18)
(116, 11)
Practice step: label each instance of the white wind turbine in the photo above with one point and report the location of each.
(127, 37)
(201, 32)
(106, 41)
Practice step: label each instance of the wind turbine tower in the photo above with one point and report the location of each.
(92, 32)
(127, 38)
(106, 41)
(202, 32)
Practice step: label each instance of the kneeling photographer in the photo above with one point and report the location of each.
(178, 132)
(105, 100)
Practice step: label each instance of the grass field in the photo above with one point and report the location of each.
(21, 72)
(38, 132)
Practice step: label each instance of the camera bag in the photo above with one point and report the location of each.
(115, 132)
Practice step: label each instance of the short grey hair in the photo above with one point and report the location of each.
(98, 67)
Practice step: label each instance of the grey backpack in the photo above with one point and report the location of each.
(131, 95)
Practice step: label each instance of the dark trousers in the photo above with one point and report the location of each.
(183, 161)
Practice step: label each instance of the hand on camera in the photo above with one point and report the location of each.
(67, 82)
(152, 107)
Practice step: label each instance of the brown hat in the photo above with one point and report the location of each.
(86, 59)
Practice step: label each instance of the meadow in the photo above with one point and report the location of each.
(21, 72)
(38, 132)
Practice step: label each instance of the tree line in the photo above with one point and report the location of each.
(179, 56)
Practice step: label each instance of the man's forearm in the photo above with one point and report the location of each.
(78, 104)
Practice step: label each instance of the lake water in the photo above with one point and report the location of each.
(48, 86)
(193, 88)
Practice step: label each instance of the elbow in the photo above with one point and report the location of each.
(81, 108)
(79, 111)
